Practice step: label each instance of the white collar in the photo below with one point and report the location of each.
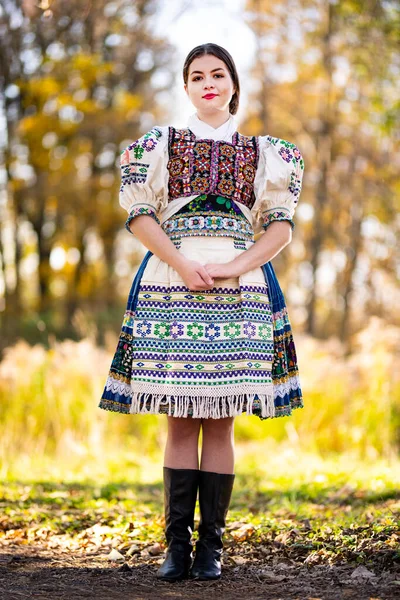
(204, 131)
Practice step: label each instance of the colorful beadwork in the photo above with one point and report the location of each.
(209, 215)
(212, 166)
(141, 210)
(277, 215)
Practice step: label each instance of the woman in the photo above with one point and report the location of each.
(206, 335)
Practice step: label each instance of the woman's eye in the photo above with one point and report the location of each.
(199, 77)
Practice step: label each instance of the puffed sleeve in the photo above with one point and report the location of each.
(144, 175)
(278, 182)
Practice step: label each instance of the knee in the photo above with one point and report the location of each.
(219, 430)
(182, 430)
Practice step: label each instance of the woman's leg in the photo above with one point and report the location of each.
(216, 480)
(181, 482)
(181, 450)
(217, 453)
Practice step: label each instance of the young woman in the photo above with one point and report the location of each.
(206, 335)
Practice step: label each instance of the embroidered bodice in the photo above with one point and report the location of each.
(207, 166)
(167, 168)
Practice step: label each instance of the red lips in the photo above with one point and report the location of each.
(209, 96)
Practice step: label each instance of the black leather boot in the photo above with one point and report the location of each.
(180, 493)
(215, 491)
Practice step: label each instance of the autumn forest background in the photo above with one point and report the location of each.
(81, 80)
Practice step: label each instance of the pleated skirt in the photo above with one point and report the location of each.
(204, 354)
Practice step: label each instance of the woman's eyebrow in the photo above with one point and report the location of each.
(201, 72)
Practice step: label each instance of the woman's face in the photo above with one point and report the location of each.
(209, 85)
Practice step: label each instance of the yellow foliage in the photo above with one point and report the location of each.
(126, 102)
(49, 401)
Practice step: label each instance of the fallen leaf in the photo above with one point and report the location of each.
(283, 538)
(243, 533)
(155, 550)
(115, 555)
(239, 560)
(133, 550)
(234, 525)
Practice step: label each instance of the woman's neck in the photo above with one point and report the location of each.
(214, 120)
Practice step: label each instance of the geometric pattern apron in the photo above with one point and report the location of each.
(205, 354)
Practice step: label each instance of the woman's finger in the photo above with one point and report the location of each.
(205, 276)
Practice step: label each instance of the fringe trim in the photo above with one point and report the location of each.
(203, 407)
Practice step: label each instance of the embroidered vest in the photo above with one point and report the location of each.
(212, 166)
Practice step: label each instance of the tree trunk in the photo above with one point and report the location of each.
(324, 150)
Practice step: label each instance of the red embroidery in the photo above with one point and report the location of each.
(212, 166)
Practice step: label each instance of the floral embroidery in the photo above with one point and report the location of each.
(140, 210)
(133, 171)
(212, 331)
(195, 330)
(288, 151)
(143, 328)
(199, 183)
(295, 185)
(149, 145)
(146, 143)
(223, 201)
(227, 151)
(203, 149)
(226, 187)
(249, 330)
(176, 329)
(265, 331)
(277, 215)
(231, 330)
(161, 330)
(212, 216)
(210, 166)
(285, 154)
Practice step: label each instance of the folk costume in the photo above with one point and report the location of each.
(219, 352)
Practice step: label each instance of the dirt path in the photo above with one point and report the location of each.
(40, 573)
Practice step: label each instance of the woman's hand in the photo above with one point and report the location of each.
(223, 270)
(195, 276)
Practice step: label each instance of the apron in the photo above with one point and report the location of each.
(205, 354)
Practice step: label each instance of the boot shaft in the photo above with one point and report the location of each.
(215, 491)
(180, 494)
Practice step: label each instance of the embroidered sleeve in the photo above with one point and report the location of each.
(143, 173)
(279, 182)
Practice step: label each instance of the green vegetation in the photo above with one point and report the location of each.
(304, 508)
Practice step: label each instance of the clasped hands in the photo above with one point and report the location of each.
(202, 277)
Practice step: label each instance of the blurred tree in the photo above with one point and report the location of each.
(324, 85)
(79, 83)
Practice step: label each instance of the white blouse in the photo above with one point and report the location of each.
(144, 175)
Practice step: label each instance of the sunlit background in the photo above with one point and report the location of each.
(79, 81)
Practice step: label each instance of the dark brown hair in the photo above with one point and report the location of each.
(223, 55)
